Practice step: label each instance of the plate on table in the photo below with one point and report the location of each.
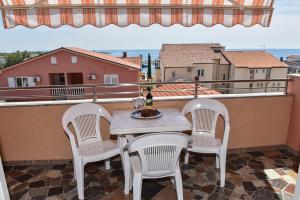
(146, 114)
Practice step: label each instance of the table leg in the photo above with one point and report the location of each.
(122, 141)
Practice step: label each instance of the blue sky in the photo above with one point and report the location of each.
(284, 32)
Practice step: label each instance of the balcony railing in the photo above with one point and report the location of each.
(95, 91)
(68, 92)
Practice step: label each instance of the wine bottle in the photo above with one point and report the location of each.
(149, 99)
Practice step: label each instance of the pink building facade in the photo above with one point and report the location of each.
(69, 66)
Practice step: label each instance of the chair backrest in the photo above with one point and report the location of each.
(85, 119)
(159, 152)
(205, 113)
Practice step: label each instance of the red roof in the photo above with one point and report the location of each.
(135, 60)
(185, 90)
(103, 56)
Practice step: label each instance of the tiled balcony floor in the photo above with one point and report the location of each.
(265, 175)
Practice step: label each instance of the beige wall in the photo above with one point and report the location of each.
(211, 72)
(244, 74)
(35, 132)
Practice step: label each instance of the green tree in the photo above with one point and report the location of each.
(149, 71)
(15, 58)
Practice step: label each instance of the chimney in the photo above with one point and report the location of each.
(124, 54)
(281, 59)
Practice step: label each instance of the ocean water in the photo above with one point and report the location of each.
(155, 53)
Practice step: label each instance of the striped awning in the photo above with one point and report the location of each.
(100, 13)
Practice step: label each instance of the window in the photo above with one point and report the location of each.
(74, 59)
(251, 71)
(173, 74)
(111, 79)
(256, 71)
(53, 60)
(263, 71)
(251, 86)
(21, 82)
(200, 72)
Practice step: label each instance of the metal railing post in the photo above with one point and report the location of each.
(94, 94)
(286, 87)
(196, 87)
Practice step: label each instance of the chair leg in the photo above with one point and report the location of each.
(222, 169)
(137, 186)
(178, 182)
(74, 165)
(217, 161)
(186, 157)
(107, 164)
(173, 182)
(80, 179)
(130, 181)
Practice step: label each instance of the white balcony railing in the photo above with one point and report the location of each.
(68, 92)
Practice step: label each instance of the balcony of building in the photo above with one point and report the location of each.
(262, 160)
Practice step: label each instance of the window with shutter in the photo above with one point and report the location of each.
(53, 60)
(11, 82)
(31, 82)
(74, 59)
(111, 79)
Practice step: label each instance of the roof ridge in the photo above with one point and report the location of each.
(102, 56)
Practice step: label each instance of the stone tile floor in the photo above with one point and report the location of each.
(265, 175)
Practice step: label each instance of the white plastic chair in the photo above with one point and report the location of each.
(205, 113)
(156, 156)
(88, 146)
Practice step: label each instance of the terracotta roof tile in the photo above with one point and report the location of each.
(185, 55)
(253, 59)
(104, 57)
(187, 90)
(135, 60)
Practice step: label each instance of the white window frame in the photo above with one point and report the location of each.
(74, 59)
(53, 60)
(201, 72)
(25, 81)
(110, 79)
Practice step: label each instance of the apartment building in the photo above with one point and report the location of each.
(187, 61)
(211, 62)
(70, 66)
(246, 65)
(293, 62)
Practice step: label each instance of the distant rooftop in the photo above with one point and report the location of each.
(187, 90)
(135, 60)
(253, 59)
(185, 55)
(293, 58)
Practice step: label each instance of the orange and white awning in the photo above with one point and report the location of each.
(100, 13)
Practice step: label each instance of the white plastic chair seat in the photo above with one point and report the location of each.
(205, 143)
(98, 150)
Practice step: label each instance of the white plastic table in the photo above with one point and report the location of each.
(122, 125)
